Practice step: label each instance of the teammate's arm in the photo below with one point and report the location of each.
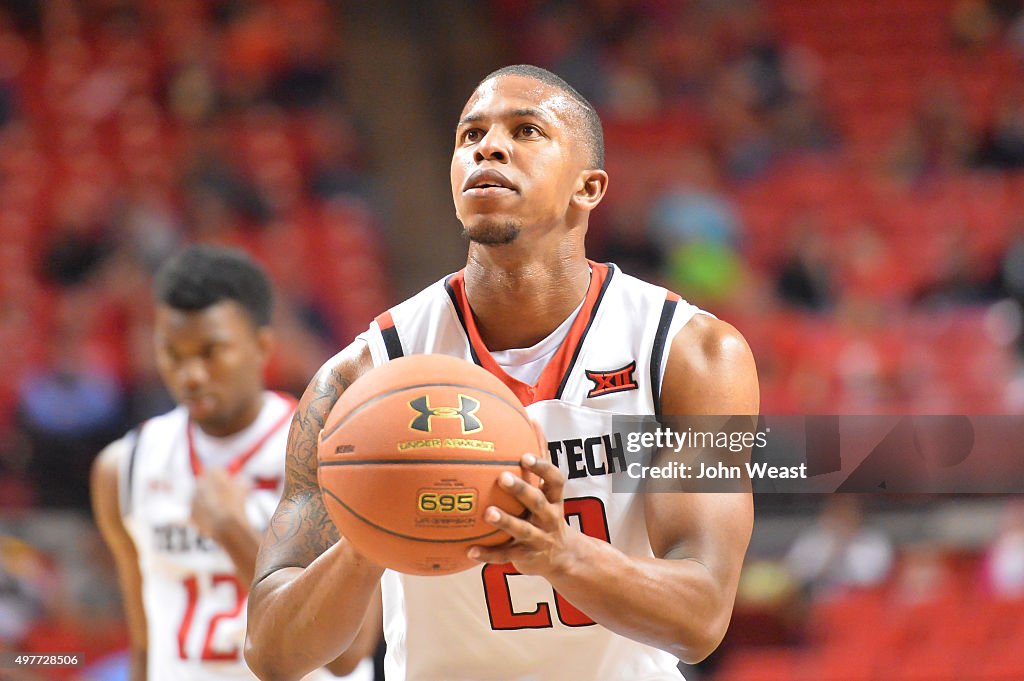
(311, 590)
(218, 510)
(681, 600)
(106, 505)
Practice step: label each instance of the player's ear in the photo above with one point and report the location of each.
(266, 341)
(590, 189)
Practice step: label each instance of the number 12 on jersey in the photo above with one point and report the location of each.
(593, 523)
(235, 599)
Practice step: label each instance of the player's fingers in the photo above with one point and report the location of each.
(553, 481)
(529, 496)
(520, 530)
(490, 554)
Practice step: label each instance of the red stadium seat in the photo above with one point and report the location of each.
(758, 664)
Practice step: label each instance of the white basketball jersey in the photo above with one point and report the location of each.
(491, 622)
(195, 604)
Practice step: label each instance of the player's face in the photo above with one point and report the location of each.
(516, 161)
(212, 361)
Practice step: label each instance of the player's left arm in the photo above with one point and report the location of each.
(681, 600)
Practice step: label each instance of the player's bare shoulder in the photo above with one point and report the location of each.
(710, 370)
(105, 478)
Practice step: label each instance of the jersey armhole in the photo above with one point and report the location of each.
(389, 334)
(126, 477)
(383, 339)
(675, 314)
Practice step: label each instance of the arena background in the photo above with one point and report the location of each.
(841, 180)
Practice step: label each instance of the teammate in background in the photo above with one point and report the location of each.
(632, 583)
(183, 499)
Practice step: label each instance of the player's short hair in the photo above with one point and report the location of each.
(592, 133)
(203, 275)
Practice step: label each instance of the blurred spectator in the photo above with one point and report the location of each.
(804, 277)
(69, 408)
(1011, 267)
(335, 164)
(562, 38)
(802, 124)
(14, 55)
(146, 225)
(955, 280)
(973, 24)
(1003, 145)
(868, 268)
(745, 141)
(1003, 566)
(1006, 10)
(924, 575)
(111, 667)
(218, 196)
(1008, 282)
(79, 242)
(697, 228)
(938, 139)
(632, 92)
(16, 491)
(688, 59)
(839, 552)
(626, 243)
(693, 208)
(25, 576)
(75, 586)
(757, 54)
(307, 72)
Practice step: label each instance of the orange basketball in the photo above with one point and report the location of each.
(409, 460)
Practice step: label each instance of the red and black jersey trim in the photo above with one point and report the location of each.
(554, 376)
(668, 311)
(583, 336)
(392, 343)
(462, 318)
(237, 463)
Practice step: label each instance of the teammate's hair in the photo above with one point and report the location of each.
(203, 275)
(593, 133)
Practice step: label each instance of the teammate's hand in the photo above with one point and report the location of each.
(218, 502)
(542, 542)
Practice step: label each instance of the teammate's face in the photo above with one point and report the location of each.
(212, 362)
(517, 160)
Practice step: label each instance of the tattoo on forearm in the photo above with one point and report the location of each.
(300, 529)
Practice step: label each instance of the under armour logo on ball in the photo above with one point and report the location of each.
(465, 411)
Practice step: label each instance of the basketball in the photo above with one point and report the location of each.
(409, 457)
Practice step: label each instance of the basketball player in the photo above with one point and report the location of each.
(183, 499)
(634, 583)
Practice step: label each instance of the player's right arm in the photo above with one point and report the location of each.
(106, 506)
(312, 589)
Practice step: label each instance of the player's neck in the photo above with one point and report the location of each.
(517, 302)
(235, 424)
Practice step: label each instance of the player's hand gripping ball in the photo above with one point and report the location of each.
(409, 460)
